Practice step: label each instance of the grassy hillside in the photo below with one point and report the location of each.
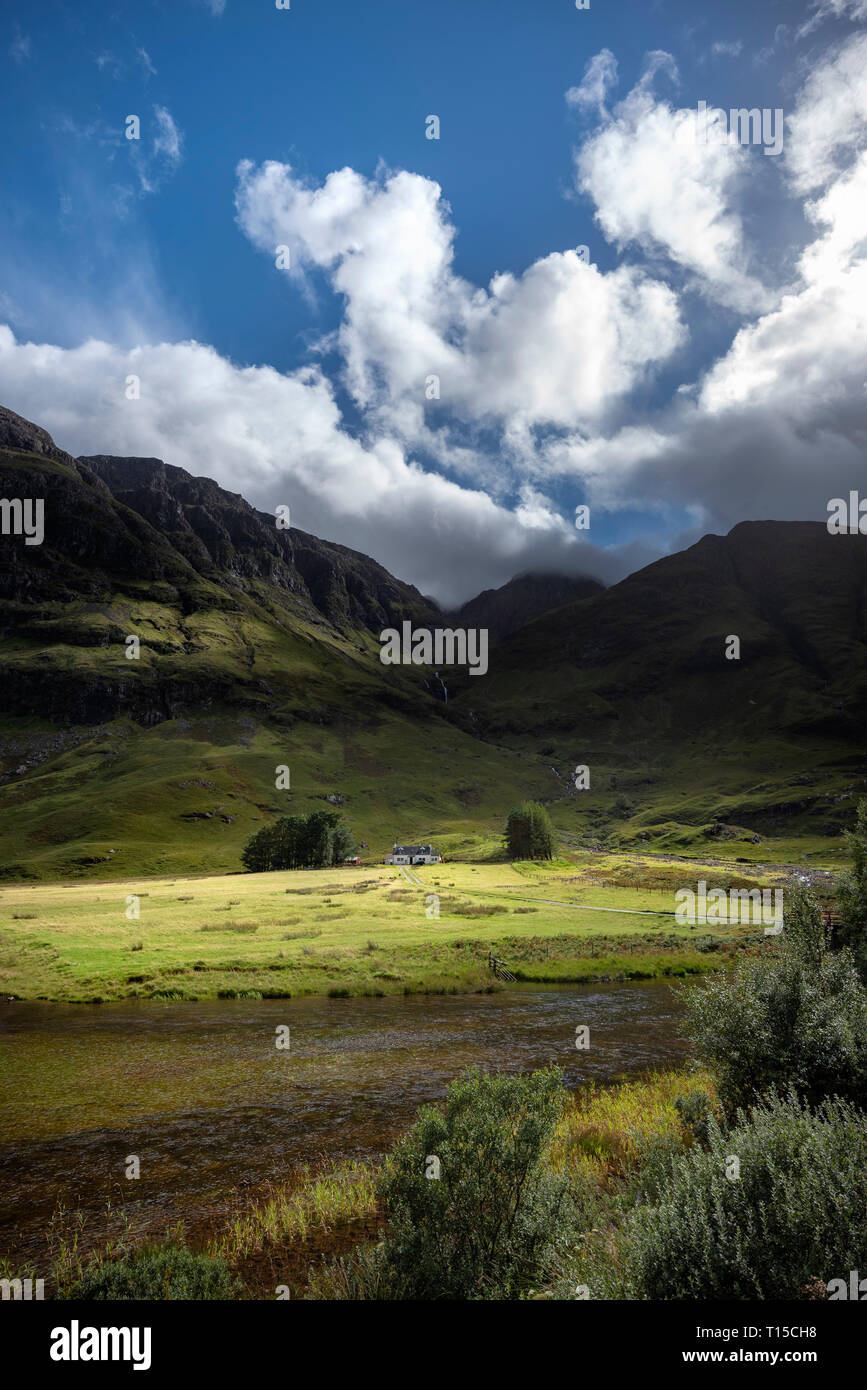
(764, 756)
(185, 795)
(167, 763)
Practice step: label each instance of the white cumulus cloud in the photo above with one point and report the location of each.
(558, 345)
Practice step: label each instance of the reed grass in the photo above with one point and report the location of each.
(312, 1202)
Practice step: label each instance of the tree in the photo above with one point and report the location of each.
(542, 841)
(313, 840)
(258, 853)
(807, 937)
(518, 833)
(852, 894)
(343, 843)
(287, 837)
(299, 842)
(529, 832)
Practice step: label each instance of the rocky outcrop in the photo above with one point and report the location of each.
(20, 434)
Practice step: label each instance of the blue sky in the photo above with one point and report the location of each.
(565, 385)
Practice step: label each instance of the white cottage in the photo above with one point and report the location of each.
(413, 854)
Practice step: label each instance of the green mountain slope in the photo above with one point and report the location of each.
(258, 648)
(635, 684)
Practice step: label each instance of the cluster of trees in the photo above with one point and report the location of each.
(785, 1038)
(299, 842)
(529, 832)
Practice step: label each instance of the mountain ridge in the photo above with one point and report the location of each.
(522, 599)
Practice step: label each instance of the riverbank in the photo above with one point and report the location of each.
(359, 931)
(280, 1240)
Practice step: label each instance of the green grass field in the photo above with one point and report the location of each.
(360, 930)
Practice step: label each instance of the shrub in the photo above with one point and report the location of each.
(485, 1226)
(694, 1111)
(796, 1214)
(158, 1272)
(796, 1018)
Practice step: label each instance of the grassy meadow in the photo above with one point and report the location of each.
(361, 930)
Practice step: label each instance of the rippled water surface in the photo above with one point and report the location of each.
(202, 1095)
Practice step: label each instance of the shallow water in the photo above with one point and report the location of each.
(202, 1095)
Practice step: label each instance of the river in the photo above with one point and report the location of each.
(202, 1095)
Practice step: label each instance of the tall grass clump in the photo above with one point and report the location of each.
(609, 1132)
(317, 1203)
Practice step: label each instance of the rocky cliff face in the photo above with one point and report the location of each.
(135, 545)
(220, 535)
(111, 520)
(22, 435)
